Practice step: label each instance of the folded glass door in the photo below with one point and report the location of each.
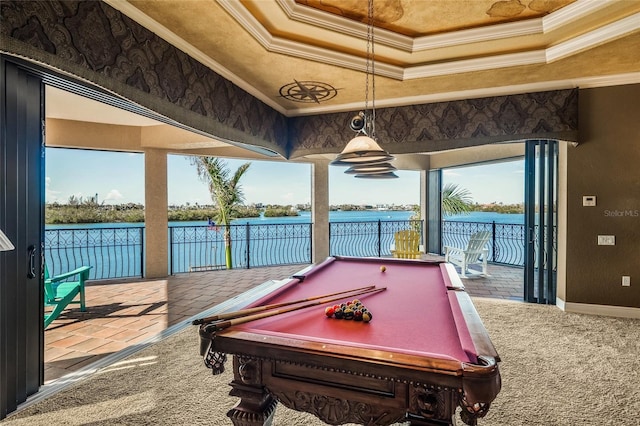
(541, 164)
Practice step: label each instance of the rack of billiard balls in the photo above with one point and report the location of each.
(353, 310)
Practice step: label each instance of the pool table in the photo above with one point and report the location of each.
(424, 353)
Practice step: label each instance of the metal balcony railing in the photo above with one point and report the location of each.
(202, 248)
(111, 252)
(119, 252)
(506, 245)
(366, 239)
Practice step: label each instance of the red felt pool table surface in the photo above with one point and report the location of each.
(418, 314)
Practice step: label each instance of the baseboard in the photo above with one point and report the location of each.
(592, 309)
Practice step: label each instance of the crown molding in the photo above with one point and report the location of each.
(321, 19)
(478, 35)
(572, 13)
(335, 23)
(471, 65)
(594, 38)
(349, 27)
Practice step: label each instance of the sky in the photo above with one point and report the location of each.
(118, 178)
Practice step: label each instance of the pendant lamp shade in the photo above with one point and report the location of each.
(361, 145)
(362, 150)
(389, 175)
(370, 169)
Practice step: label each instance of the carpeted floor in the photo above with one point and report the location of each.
(557, 369)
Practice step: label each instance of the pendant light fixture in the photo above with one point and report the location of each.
(363, 154)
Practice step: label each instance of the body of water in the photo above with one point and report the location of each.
(488, 217)
(334, 216)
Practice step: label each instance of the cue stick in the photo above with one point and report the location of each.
(249, 311)
(228, 323)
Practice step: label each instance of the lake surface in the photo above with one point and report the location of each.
(488, 217)
(334, 216)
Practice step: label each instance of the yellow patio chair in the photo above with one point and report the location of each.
(407, 245)
(59, 293)
(474, 253)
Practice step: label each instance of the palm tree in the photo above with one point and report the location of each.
(455, 200)
(226, 194)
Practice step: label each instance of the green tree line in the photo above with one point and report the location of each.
(97, 213)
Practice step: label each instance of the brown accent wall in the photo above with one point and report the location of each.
(605, 164)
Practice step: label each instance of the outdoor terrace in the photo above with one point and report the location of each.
(124, 313)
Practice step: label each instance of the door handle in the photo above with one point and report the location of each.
(31, 273)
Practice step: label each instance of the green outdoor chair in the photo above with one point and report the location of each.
(59, 293)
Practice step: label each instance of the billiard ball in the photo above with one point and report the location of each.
(329, 311)
(366, 316)
(347, 314)
(383, 268)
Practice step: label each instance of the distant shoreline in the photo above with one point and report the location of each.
(66, 214)
(305, 217)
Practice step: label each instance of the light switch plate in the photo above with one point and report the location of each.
(606, 240)
(588, 200)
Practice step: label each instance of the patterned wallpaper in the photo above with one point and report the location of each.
(95, 42)
(447, 125)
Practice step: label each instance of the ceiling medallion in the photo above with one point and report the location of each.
(308, 91)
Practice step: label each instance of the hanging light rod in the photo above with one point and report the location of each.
(364, 149)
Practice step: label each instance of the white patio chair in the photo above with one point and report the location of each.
(474, 253)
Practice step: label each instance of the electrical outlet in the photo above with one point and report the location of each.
(626, 281)
(588, 200)
(606, 240)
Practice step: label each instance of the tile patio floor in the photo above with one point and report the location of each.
(123, 313)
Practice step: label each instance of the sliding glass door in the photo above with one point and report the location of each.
(541, 165)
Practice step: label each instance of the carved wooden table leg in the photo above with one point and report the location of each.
(472, 412)
(256, 406)
(431, 405)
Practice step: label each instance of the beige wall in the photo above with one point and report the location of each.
(477, 154)
(156, 213)
(605, 164)
(320, 210)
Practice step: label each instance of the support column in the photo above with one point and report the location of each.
(320, 209)
(433, 219)
(424, 207)
(561, 277)
(156, 215)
